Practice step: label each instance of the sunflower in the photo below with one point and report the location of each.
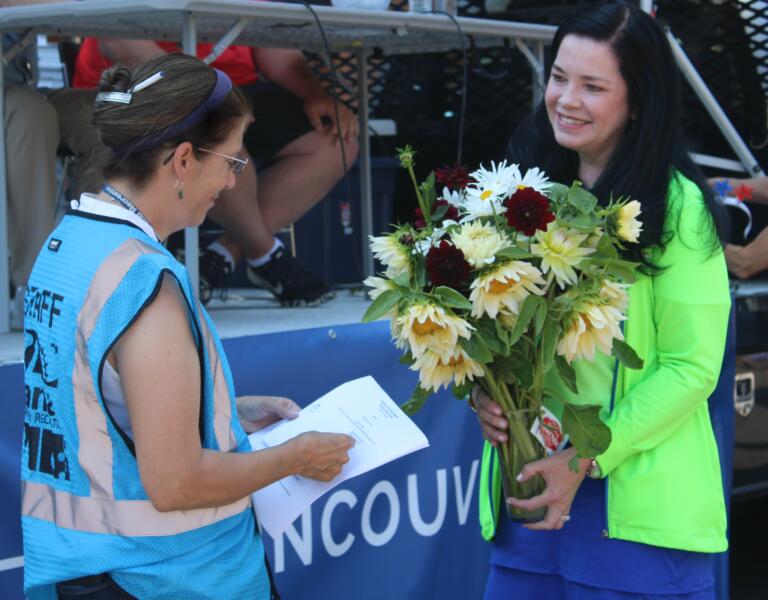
(378, 286)
(505, 288)
(593, 327)
(394, 255)
(428, 326)
(436, 370)
(626, 225)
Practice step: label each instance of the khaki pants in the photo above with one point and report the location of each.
(79, 135)
(31, 137)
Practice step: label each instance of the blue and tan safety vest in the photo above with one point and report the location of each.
(84, 508)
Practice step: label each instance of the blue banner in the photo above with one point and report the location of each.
(406, 530)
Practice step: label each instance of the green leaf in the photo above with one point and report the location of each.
(382, 305)
(581, 199)
(589, 435)
(557, 192)
(407, 359)
(549, 343)
(450, 297)
(626, 354)
(428, 189)
(402, 280)
(567, 373)
(486, 329)
(476, 348)
(527, 311)
(515, 370)
(420, 276)
(461, 392)
(416, 401)
(514, 253)
(581, 222)
(623, 270)
(606, 249)
(438, 215)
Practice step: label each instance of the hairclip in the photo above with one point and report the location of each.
(121, 97)
(125, 97)
(147, 82)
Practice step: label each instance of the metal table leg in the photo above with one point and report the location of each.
(4, 283)
(366, 199)
(191, 251)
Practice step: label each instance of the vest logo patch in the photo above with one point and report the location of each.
(54, 245)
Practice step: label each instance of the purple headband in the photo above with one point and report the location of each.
(212, 102)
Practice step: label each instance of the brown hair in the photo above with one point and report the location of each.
(186, 84)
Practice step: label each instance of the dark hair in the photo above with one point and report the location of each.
(186, 84)
(651, 146)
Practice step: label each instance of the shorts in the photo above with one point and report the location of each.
(279, 118)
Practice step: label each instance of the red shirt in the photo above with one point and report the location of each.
(235, 61)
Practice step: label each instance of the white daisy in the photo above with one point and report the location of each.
(535, 178)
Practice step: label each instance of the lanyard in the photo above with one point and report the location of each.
(117, 196)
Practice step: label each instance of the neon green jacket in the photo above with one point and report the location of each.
(662, 467)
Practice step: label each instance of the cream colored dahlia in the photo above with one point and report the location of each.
(479, 242)
(431, 327)
(436, 370)
(394, 255)
(505, 288)
(560, 250)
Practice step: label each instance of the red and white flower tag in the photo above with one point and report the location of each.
(549, 431)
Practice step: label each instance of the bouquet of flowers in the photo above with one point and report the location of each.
(501, 279)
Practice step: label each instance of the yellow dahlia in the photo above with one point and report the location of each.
(394, 255)
(592, 328)
(560, 250)
(479, 242)
(505, 288)
(436, 370)
(431, 327)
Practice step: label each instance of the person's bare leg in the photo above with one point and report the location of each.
(304, 172)
(257, 208)
(237, 211)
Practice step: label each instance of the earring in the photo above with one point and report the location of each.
(181, 193)
(180, 187)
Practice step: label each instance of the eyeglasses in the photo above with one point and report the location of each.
(235, 164)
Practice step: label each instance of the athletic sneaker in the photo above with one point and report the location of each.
(290, 281)
(214, 271)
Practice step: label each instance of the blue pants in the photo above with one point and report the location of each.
(513, 584)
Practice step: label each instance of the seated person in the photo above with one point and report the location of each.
(31, 137)
(752, 258)
(294, 129)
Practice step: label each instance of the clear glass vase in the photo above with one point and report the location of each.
(520, 449)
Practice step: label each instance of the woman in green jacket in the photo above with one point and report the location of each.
(641, 519)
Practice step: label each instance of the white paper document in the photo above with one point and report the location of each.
(359, 408)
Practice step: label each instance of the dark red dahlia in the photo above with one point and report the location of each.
(452, 213)
(446, 265)
(454, 177)
(528, 210)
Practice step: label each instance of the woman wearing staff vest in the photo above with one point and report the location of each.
(136, 468)
(641, 519)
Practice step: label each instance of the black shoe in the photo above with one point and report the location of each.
(214, 271)
(290, 281)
